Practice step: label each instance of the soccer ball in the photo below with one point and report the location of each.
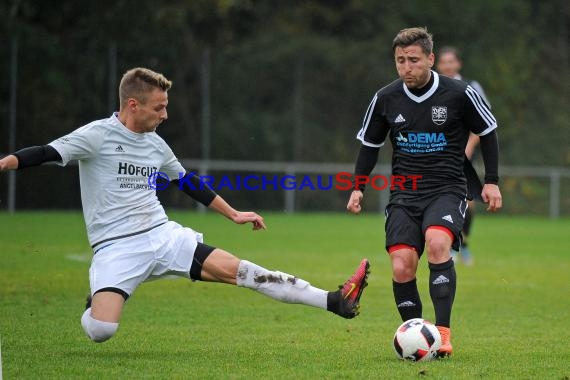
(417, 340)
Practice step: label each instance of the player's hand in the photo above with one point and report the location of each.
(353, 205)
(8, 163)
(243, 217)
(492, 196)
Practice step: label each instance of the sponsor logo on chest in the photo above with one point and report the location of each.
(126, 168)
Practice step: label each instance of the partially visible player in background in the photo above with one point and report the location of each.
(449, 63)
(130, 234)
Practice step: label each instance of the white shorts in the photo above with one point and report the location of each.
(126, 263)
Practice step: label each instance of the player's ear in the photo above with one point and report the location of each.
(132, 104)
(431, 59)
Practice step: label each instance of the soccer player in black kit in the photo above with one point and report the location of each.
(428, 119)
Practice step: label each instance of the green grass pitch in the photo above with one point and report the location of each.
(511, 318)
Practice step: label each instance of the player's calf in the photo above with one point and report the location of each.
(280, 286)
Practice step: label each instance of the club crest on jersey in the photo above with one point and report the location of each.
(439, 114)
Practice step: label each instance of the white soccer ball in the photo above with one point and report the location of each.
(417, 340)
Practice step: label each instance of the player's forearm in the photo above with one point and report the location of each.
(490, 151)
(365, 162)
(35, 155)
(8, 163)
(196, 189)
(222, 207)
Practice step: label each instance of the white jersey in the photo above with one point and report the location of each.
(114, 167)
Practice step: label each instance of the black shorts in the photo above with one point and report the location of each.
(407, 221)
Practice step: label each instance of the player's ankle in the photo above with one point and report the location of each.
(333, 298)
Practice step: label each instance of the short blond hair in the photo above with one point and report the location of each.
(414, 36)
(138, 82)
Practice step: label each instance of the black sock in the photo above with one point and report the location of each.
(407, 299)
(442, 284)
(333, 299)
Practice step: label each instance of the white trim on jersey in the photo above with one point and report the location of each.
(477, 87)
(370, 144)
(432, 90)
(483, 110)
(366, 121)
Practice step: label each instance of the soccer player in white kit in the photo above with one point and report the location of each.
(129, 232)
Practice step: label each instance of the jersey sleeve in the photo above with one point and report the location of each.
(478, 116)
(477, 87)
(374, 126)
(170, 165)
(81, 144)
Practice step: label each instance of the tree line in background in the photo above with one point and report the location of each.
(287, 80)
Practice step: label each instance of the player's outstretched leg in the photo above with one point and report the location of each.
(221, 266)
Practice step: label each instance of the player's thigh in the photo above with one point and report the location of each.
(116, 271)
(179, 252)
(403, 227)
(220, 266)
(446, 211)
(107, 306)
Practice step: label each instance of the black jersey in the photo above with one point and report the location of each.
(428, 132)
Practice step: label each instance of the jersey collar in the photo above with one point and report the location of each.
(123, 129)
(430, 92)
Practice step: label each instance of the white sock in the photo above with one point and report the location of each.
(280, 286)
(97, 331)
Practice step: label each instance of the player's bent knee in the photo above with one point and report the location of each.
(438, 247)
(403, 274)
(403, 269)
(438, 241)
(97, 331)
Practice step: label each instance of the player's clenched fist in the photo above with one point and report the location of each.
(354, 202)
